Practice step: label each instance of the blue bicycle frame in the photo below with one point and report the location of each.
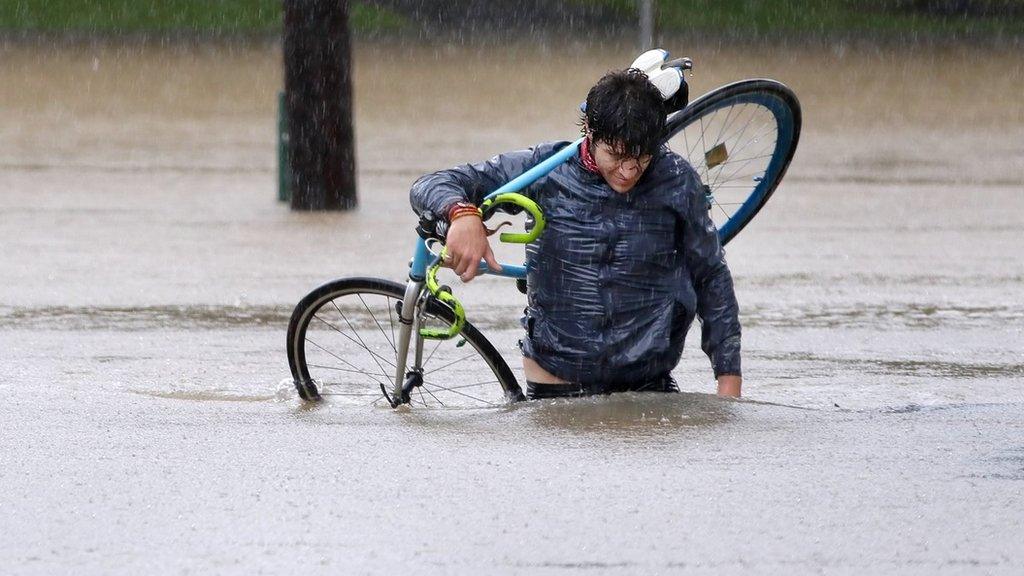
(422, 259)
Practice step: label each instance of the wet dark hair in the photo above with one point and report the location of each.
(625, 109)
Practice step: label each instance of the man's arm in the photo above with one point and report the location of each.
(712, 281)
(729, 385)
(434, 195)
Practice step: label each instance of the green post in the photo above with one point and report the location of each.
(284, 176)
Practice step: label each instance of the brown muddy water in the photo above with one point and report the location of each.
(148, 273)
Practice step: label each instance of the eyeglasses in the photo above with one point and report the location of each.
(618, 161)
(623, 161)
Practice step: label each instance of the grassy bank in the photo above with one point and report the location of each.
(112, 17)
(756, 20)
(882, 19)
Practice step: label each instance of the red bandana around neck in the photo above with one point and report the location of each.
(587, 158)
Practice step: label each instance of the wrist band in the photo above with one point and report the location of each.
(461, 214)
(460, 209)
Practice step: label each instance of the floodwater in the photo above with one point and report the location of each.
(148, 273)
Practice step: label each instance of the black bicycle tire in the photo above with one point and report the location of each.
(708, 102)
(309, 304)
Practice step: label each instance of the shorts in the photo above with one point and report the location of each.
(536, 391)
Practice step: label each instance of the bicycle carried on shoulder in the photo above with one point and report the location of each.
(377, 342)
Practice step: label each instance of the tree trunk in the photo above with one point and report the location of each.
(318, 100)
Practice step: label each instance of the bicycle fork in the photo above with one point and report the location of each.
(409, 329)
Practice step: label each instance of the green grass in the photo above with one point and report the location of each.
(784, 19)
(756, 19)
(203, 16)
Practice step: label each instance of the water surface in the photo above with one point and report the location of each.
(148, 275)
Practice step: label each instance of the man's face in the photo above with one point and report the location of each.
(620, 171)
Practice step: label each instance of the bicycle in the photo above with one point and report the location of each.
(339, 345)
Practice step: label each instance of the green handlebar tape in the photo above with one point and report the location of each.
(445, 296)
(524, 203)
(448, 299)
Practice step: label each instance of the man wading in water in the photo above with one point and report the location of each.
(628, 258)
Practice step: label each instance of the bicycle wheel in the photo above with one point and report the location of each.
(342, 345)
(740, 139)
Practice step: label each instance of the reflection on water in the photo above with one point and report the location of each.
(622, 416)
(629, 414)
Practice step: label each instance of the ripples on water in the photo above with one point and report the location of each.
(257, 317)
(149, 274)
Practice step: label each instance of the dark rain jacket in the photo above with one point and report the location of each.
(616, 279)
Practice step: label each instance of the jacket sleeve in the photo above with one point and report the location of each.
(712, 281)
(433, 194)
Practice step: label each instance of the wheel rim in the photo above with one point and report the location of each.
(740, 146)
(348, 350)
